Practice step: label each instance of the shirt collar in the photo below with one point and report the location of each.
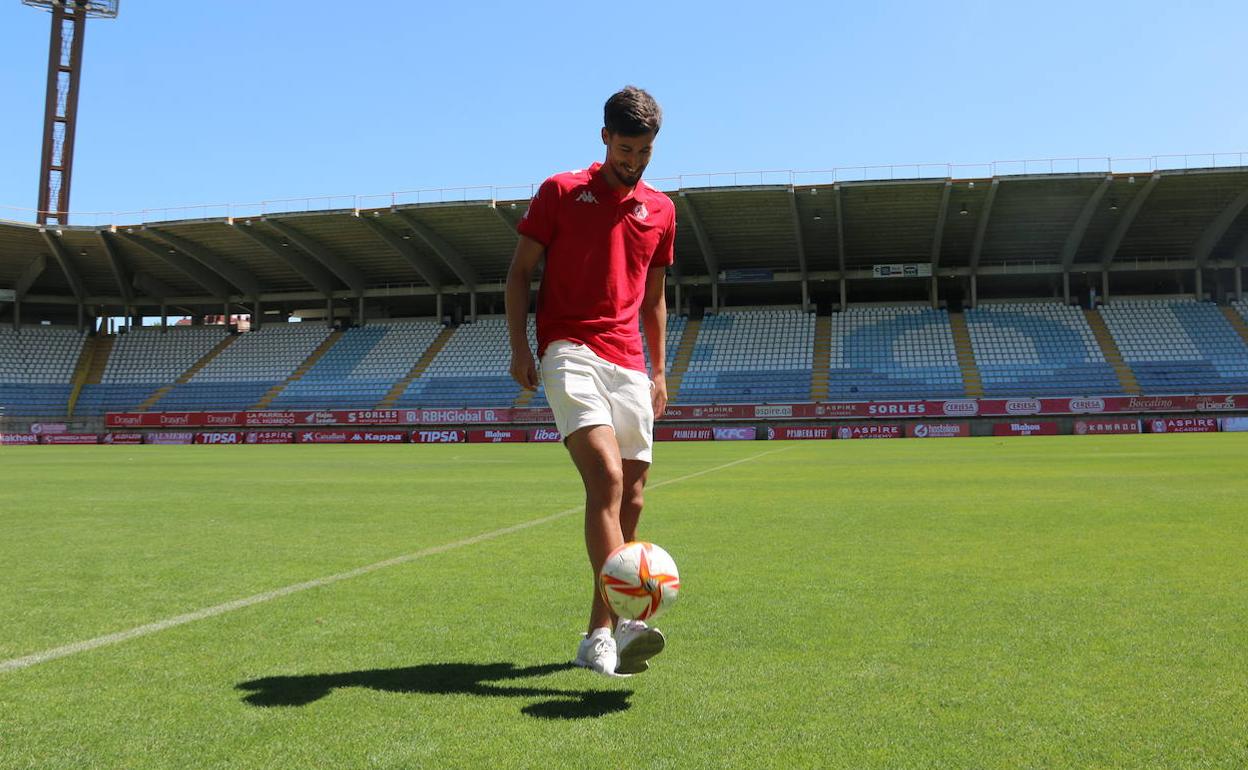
(598, 180)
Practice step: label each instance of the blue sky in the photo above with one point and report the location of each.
(239, 101)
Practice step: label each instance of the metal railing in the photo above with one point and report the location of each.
(493, 193)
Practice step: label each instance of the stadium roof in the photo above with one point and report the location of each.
(777, 235)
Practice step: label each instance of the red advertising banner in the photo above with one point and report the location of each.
(444, 436)
(532, 415)
(837, 410)
(1183, 425)
(748, 433)
(545, 435)
(222, 420)
(123, 438)
(938, 430)
(1106, 426)
(503, 436)
(351, 437)
(270, 437)
(1025, 428)
(269, 419)
(170, 437)
(793, 433)
(70, 438)
(868, 430)
(675, 433)
(18, 439)
(220, 437)
(378, 437)
(462, 416)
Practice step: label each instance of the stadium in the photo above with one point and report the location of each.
(1088, 293)
(1061, 587)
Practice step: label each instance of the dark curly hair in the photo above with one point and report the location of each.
(632, 112)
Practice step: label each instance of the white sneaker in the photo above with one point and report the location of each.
(597, 652)
(637, 643)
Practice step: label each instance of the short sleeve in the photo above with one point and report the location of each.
(665, 253)
(538, 222)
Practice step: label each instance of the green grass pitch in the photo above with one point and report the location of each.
(1066, 602)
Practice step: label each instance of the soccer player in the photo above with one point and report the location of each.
(606, 238)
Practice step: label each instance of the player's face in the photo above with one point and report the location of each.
(627, 157)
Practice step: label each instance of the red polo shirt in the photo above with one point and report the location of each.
(599, 249)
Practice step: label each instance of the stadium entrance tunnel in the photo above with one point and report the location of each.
(444, 679)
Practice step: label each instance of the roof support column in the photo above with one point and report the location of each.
(82, 317)
(17, 313)
(1066, 287)
(844, 293)
(1200, 284)
(1239, 283)
(974, 291)
(257, 315)
(329, 311)
(805, 295)
(359, 316)
(164, 318)
(438, 306)
(1104, 287)
(472, 306)
(933, 294)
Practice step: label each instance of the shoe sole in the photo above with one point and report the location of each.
(635, 657)
(581, 664)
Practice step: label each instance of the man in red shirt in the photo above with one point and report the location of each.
(606, 238)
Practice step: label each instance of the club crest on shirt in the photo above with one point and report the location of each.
(640, 212)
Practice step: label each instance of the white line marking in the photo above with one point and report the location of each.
(277, 593)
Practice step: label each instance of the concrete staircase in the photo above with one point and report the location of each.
(971, 380)
(90, 368)
(303, 368)
(821, 359)
(1237, 323)
(188, 374)
(417, 369)
(1126, 378)
(681, 362)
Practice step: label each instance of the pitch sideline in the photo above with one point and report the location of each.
(220, 609)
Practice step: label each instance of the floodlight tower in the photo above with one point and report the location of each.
(60, 112)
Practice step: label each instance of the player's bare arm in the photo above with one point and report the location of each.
(524, 262)
(654, 322)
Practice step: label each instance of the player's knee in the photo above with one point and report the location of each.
(606, 487)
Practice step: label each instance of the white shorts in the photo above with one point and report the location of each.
(584, 389)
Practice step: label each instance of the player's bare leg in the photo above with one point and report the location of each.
(597, 457)
(636, 472)
(635, 642)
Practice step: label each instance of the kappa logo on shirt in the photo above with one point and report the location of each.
(586, 197)
(640, 212)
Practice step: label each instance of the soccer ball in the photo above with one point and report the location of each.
(639, 581)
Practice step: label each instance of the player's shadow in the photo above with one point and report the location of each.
(444, 679)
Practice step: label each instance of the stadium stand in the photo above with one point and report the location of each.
(471, 370)
(36, 369)
(143, 360)
(1031, 349)
(750, 355)
(893, 352)
(359, 370)
(1178, 346)
(247, 369)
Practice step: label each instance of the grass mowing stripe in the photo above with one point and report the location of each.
(220, 609)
